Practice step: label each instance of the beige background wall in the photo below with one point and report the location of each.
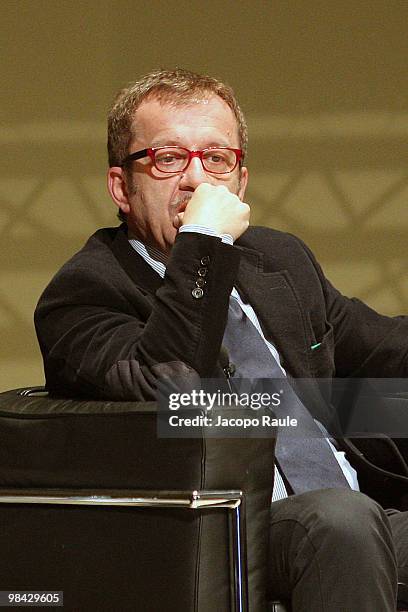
(325, 89)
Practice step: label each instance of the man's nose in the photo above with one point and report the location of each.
(193, 175)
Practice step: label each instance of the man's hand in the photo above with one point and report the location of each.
(217, 208)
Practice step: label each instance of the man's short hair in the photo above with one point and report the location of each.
(171, 86)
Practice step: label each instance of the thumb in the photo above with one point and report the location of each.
(178, 220)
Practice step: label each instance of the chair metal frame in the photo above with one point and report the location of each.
(192, 500)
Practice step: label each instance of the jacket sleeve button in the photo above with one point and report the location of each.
(197, 293)
(204, 261)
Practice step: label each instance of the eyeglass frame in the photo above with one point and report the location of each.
(151, 152)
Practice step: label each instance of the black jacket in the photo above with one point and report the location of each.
(108, 325)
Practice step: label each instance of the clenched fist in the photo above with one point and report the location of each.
(217, 208)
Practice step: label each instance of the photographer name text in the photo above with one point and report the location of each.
(240, 422)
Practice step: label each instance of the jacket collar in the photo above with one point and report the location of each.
(133, 264)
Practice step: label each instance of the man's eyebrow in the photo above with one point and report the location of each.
(218, 143)
(165, 142)
(179, 142)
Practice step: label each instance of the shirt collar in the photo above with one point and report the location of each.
(152, 256)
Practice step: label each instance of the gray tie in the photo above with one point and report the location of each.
(306, 460)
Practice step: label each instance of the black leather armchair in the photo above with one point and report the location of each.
(94, 504)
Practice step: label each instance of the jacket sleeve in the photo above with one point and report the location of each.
(99, 340)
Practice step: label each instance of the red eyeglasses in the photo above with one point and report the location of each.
(171, 160)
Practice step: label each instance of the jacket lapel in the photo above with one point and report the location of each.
(279, 311)
(274, 300)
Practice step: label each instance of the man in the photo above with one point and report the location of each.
(160, 295)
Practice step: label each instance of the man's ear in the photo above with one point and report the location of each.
(117, 188)
(243, 181)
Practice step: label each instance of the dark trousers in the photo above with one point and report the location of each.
(337, 549)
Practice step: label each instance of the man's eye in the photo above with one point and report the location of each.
(166, 159)
(216, 158)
